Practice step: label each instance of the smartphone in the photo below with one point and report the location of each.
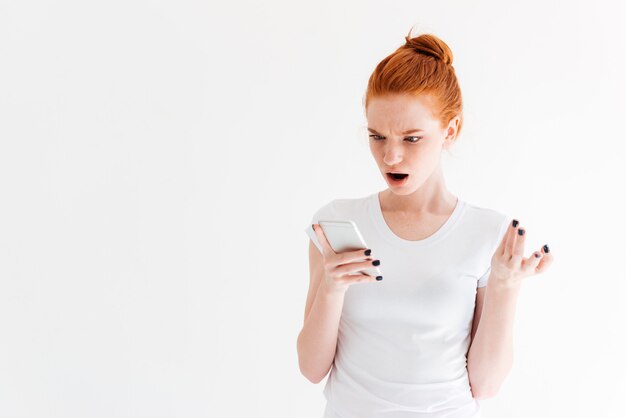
(345, 236)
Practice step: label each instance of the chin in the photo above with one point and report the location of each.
(406, 189)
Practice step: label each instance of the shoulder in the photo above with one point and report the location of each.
(350, 205)
(325, 208)
(486, 217)
(341, 206)
(488, 221)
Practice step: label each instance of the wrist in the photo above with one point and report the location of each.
(504, 284)
(331, 291)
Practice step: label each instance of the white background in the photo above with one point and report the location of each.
(160, 160)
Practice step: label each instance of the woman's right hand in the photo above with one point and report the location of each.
(341, 269)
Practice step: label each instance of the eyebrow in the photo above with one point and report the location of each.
(410, 131)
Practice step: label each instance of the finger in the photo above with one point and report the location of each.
(356, 278)
(349, 268)
(323, 241)
(502, 246)
(546, 260)
(530, 264)
(348, 256)
(352, 256)
(510, 238)
(518, 247)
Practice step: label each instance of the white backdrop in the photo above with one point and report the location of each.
(160, 160)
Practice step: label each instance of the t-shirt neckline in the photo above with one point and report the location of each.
(382, 227)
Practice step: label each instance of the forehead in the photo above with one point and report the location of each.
(400, 112)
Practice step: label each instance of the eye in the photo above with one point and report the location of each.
(379, 138)
(417, 139)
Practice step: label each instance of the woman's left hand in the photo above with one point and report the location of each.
(508, 265)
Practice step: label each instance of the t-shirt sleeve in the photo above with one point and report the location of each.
(484, 279)
(322, 213)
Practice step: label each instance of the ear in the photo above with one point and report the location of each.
(451, 131)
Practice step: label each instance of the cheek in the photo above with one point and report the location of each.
(430, 151)
(424, 159)
(377, 152)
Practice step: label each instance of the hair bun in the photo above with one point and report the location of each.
(430, 45)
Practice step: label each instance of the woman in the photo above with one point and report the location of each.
(434, 333)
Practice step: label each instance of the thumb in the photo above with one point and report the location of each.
(321, 237)
(530, 264)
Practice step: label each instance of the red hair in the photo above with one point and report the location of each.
(422, 66)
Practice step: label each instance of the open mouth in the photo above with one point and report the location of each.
(397, 176)
(397, 179)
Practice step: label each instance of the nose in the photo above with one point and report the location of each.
(392, 154)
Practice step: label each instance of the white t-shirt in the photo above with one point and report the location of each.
(403, 341)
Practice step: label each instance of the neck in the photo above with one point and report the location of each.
(432, 197)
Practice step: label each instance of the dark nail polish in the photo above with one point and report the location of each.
(379, 278)
(546, 249)
(376, 262)
(520, 231)
(313, 226)
(515, 223)
(368, 252)
(537, 255)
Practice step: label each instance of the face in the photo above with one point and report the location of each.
(404, 137)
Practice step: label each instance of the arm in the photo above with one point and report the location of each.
(490, 356)
(317, 341)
